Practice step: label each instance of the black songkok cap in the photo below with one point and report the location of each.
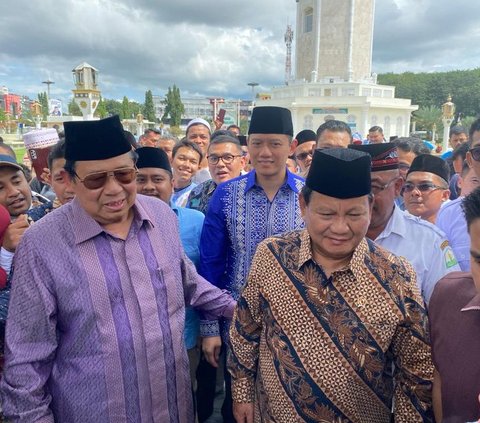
(384, 156)
(95, 139)
(340, 173)
(271, 120)
(305, 136)
(243, 140)
(431, 164)
(153, 157)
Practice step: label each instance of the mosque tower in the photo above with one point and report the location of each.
(334, 40)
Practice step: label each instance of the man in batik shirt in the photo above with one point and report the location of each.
(326, 314)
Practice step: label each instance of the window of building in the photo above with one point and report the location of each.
(308, 21)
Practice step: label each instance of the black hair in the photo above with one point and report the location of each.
(334, 126)
(149, 130)
(376, 129)
(224, 139)
(411, 144)
(471, 207)
(457, 130)
(188, 144)
(461, 151)
(57, 152)
(130, 138)
(221, 132)
(475, 126)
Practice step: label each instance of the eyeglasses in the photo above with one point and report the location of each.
(226, 158)
(475, 152)
(423, 187)
(97, 180)
(376, 189)
(304, 155)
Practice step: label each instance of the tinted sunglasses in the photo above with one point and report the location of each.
(304, 155)
(97, 180)
(424, 187)
(475, 152)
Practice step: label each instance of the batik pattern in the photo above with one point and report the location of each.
(310, 348)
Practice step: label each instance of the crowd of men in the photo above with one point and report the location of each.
(309, 277)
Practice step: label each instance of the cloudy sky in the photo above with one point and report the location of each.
(207, 47)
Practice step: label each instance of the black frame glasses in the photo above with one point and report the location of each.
(226, 158)
(475, 152)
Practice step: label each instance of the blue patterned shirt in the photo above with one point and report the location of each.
(239, 217)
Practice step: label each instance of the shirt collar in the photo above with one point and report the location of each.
(473, 304)
(290, 181)
(85, 227)
(356, 263)
(395, 224)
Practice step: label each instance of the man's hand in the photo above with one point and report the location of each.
(211, 348)
(14, 233)
(243, 412)
(45, 176)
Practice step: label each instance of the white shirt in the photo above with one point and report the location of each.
(423, 245)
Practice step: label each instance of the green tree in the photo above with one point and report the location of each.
(3, 115)
(125, 111)
(113, 107)
(74, 108)
(149, 107)
(428, 116)
(43, 100)
(173, 106)
(101, 110)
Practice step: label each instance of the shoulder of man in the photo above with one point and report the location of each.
(450, 208)
(455, 287)
(426, 228)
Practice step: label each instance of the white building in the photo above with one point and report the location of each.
(333, 71)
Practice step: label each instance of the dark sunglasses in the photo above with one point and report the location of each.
(475, 152)
(424, 187)
(97, 180)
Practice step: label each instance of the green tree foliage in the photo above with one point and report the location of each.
(149, 107)
(74, 108)
(3, 115)
(43, 100)
(173, 106)
(101, 110)
(125, 111)
(428, 116)
(432, 89)
(113, 107)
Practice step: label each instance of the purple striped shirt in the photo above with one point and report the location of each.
(95, 326)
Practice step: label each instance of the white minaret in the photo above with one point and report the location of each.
(86, 93)
(334, 40)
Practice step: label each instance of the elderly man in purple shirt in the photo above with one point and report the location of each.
(96, 320)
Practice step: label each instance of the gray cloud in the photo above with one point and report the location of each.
(208, 47)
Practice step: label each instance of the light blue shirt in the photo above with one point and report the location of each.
(190, 224)
(451, 220)
(423, 245)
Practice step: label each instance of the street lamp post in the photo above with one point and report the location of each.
(448, 113)
(48, 82)
(253, 85)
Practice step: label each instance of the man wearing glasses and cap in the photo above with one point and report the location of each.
(96, 320)
(306, 141)
(421, 243)
(426, 187)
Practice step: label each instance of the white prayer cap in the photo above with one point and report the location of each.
(199, 121)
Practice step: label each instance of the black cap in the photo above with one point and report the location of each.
(384, 156)
(153, 157)
(8, 161)
(271, 120)
(95, 139)
(431, 164)
(340, 173)
(305, 136)
(243, 140)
